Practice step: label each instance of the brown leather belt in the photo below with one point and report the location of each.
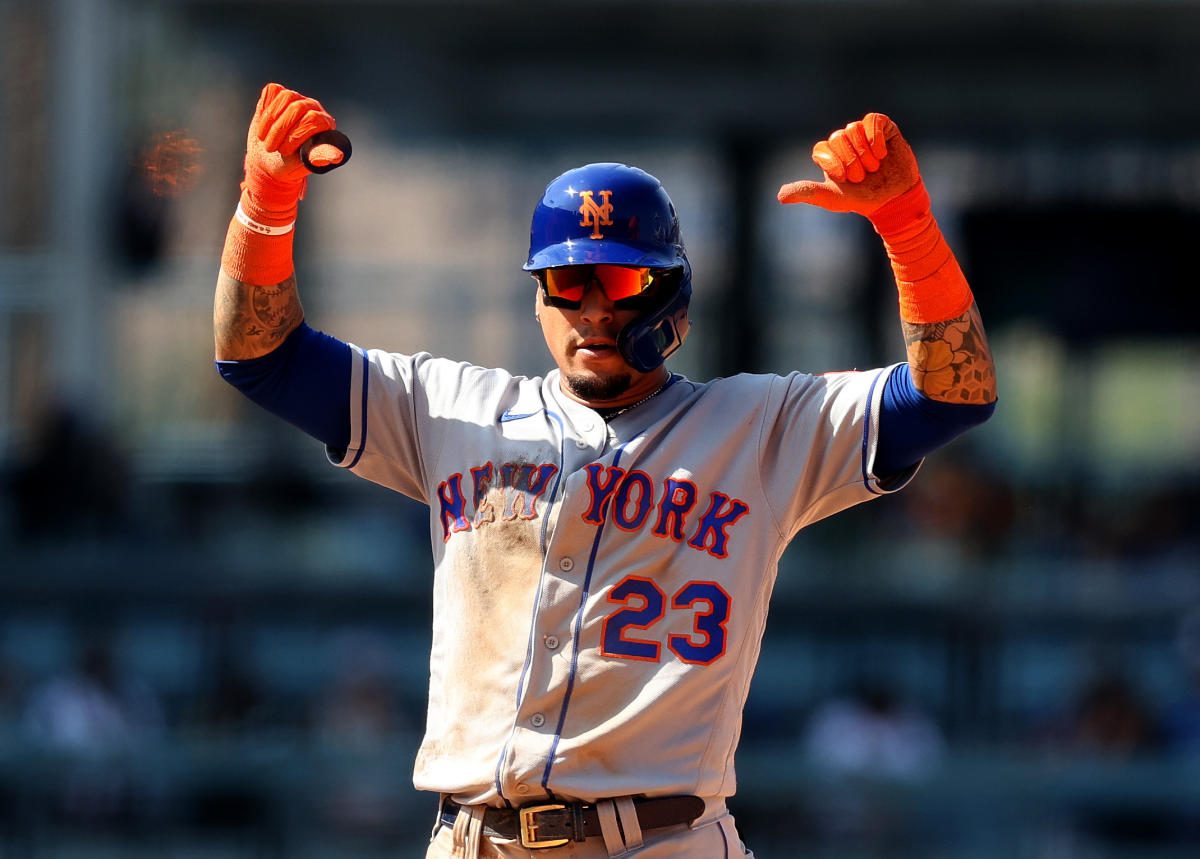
(553, 824)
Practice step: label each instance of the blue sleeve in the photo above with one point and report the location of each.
(911, 425)
(305, 381)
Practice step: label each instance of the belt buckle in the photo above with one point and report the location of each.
(529, 827)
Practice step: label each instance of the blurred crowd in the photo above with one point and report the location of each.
(96, 745)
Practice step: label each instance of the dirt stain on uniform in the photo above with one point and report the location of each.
(496, 577)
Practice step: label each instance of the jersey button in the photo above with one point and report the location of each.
(566, 564)
(522, 788)
(551, 642)
(537, 720)
(581, 443)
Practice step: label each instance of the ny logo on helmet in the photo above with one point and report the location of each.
(595, 215)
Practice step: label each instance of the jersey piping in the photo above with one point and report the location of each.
(362, 417)
(870, 425)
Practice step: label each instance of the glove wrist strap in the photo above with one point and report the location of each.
(270, 201)
(932, 287)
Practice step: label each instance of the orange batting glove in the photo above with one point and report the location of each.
(870, 170)
(867, 164)
(258, 246)
(275, 178)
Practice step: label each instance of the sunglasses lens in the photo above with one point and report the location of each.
(620, 282)
(568, 284)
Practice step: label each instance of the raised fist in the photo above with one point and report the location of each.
(867, 164)
(283, 120)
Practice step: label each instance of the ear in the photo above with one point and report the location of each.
(537, 302)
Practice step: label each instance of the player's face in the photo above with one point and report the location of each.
(583, 343)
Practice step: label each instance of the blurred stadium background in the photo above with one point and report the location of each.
(213, 644)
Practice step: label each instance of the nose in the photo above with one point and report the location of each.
(595, 306)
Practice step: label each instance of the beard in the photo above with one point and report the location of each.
(597, 388)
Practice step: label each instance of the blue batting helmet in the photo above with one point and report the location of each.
(618, 215)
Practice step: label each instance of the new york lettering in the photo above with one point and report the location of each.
(630, 500)
(519, 484)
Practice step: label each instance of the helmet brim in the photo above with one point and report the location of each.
(599, 251)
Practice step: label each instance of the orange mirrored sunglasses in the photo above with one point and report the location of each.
(625, 286)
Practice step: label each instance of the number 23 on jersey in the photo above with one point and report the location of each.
(699, 608)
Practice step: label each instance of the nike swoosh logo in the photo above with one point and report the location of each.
(509, 416)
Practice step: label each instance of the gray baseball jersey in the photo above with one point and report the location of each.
(601, 589)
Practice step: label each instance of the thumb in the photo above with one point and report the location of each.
(822, 194)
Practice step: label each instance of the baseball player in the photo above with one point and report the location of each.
(606, 537)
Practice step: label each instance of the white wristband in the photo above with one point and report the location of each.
(262, 229)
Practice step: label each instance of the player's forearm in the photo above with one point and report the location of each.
(950, 361)
(251, 320)
(948, 352)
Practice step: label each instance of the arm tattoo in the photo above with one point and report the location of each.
(251, 320)
(951, 361)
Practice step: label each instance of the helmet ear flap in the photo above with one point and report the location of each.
(647, 342)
